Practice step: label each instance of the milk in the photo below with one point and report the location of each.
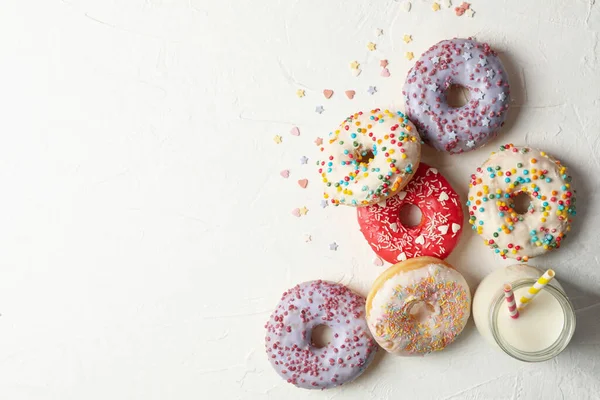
(539, 325)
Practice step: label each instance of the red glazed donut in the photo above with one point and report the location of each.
(436, 235)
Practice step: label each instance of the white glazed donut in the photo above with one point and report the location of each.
(369, 157)
(418, 306)
(506, 174)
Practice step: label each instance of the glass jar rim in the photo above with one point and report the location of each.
(557, 347)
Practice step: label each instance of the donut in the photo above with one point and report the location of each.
(418, 306)
(289, 329)
(370, 156)
(436, 235)
(492, 192)
(467, 63)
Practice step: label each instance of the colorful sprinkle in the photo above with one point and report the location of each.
(277, 139)
(333, 246)
(371, 46)
(303, 183)
(409, 55)
(327, 93)
(300, 93)
(407, 39)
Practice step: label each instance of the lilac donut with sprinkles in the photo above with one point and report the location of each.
(494, 211)
(469, 64)
(289, 329)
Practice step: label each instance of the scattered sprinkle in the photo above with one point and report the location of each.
(327, 93)
(324, 203)
(319, 141)
(470, 13)
(354, 65)
(296, 212)
(277, 139)
(307, 238)
(406, 6)
(303, 183)
(447, 3)
(372, 90)
(333, 246)
(356, 72)
(460, 10)
(303, 160)
(385, 73)
(378, 32)
(371, 46)
(285, 173)
(295, 131)
(435, 6)
(350, 94)
(319, 109)
(407, 39)
(303, 211)
(378, 261)
(383, 63)
(300, 93)
(409, 55)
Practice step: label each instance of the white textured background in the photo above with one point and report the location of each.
(145, 232)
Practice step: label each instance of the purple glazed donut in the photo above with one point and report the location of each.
(288, 340)
(467, 63)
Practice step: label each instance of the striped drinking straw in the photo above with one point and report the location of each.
(510, 299)
(539, 285)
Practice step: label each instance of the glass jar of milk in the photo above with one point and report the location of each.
(543, 329)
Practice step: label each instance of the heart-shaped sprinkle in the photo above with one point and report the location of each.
(394, 227)
(443, 196)
(385, 72)
(327, 93)
(356, 72)
(303, 183)
(401, 195)
(350, 94)
(285, 173)
(401, 257)
(420, 240)
(443, 229)
(378, 261)
(455, 228)
(296, 212)
(295, 131)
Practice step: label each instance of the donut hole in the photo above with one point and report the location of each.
(421, 311)
(321, 336)
(364, 155)
(521, 203)
(457, 95)
(410, 215)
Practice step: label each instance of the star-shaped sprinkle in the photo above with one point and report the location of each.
(467, 56)
(371, 46)
(333, 246)
(485, 122)
(433, 87)
(412, 73)
(277, 139)
(435, 6)
(479, 95)
(435, 59)
(378, 32)
(426, 107)
(447, 3)
(303, 211)
(490, 73)
(319, 141)
(407, 39)
(303, 160)
(319, 109)
(468, 46)
(470, 13)
(482, 62)
(324, 203)
(372, 90)
(300, 93)
(354, 65)
(406, 98)
(502, 96)
(307, 238)
(470, 143)
(409, 55)
(383, 63)
(452, 135)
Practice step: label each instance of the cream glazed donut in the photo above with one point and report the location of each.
(472, 65)
(370, 156)
(436, 235)
(418, 306)
(289, 329)
(493, 212)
